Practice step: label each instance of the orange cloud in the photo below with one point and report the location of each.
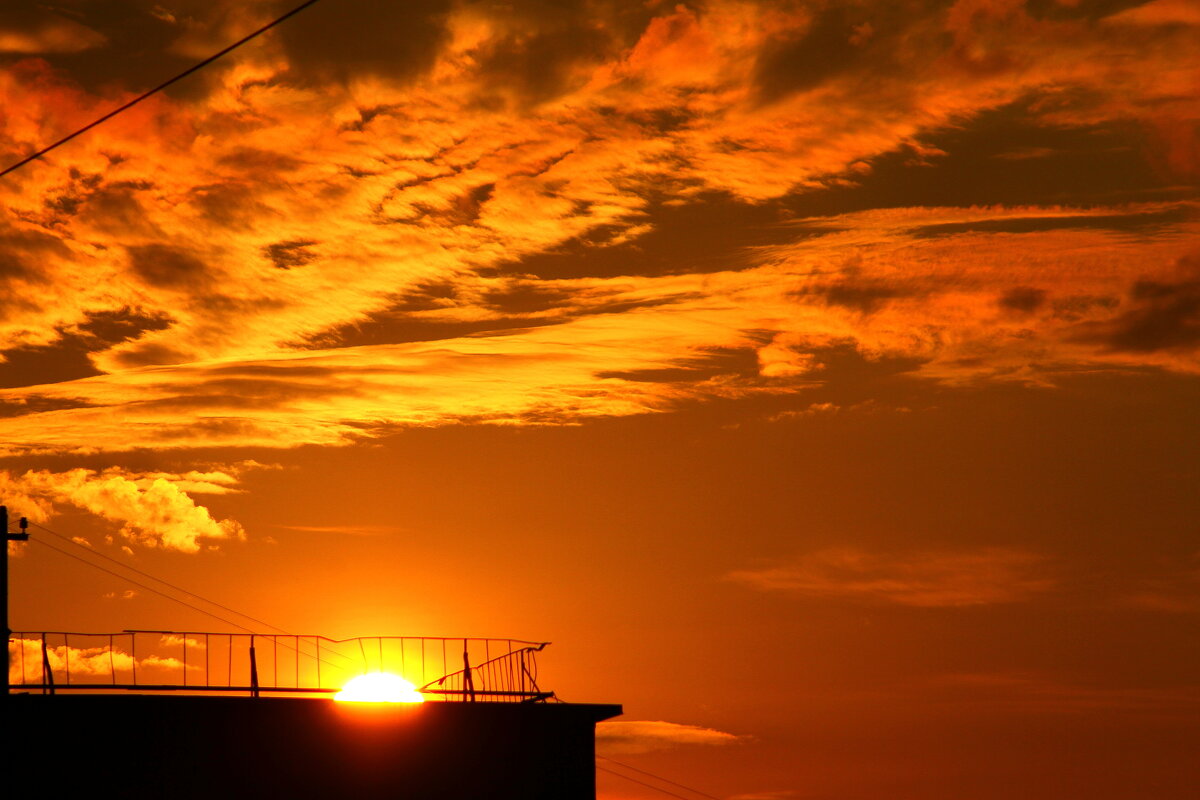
(154, 509)
(211, 268)
(933, 579)
(637, 736)
(1023, 693)
(25, 662)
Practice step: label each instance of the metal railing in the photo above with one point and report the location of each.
(466, 669)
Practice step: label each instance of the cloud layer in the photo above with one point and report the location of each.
(540, 216)
(644, 736)
(930, 579)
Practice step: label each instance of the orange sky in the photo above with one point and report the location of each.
(821, 377)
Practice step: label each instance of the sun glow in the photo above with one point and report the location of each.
(379, 687)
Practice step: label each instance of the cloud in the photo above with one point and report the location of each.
(568, 198)
(985, 576)
(1174, 587)
(1159, 315)
(153, 509)
(83, 663)
(29, 31)
(1026, 693)
(633, 736)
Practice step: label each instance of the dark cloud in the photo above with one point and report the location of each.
(36, 404)
(132, 48)
(233, 205)
(254, 393)
(1006, 156)
(150, 354)
(538, 67)
(399, 325)
(257, 163)
(712, 362)
(463, 210)
(1083, 9)
(1147, 222)
(68, 358)
(402, 329)
(364, 38)
(1073, 308)
(829, 46)
(842, 364)
(21, 249)
(117, 209)
(1161, 316)
(526, 298)
(860, 295)
(712, 233)
(168, 267)
(1023, 299)
(549, 44)
(427, 297)
(286, 255)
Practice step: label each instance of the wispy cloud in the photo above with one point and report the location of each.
(1174, 588)
(1024, 693)
(985, 576)
(635, 736)
(320, 242)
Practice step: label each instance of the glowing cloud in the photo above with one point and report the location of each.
(934, 579)
(644, 736)
(154, 509)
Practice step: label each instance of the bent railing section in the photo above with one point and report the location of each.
(463, 669)
(512, 675)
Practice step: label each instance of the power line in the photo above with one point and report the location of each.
(656, 777)
(167, 596)
(44, 543)
(642, 783)
(160, 580)
(195, 67)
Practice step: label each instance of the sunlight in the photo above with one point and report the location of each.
(379, 687)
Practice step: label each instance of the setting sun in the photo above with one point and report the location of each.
(379, 687)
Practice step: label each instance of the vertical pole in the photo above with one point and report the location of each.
(253, 669)
(4, 593)
(468, 680)
(8, 537)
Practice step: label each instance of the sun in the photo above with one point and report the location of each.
(379, 687)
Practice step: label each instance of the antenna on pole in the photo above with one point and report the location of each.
(23, 536)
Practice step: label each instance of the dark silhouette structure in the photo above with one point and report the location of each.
(163, 746)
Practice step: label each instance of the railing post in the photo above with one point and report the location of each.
(253, 670)
(47, 673)
(468, 681)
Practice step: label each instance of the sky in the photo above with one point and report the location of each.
(820, 378)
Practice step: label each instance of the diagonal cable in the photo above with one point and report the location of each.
(44, 543)
(194, 68)
(652, 775)
(159, 580)
(642, 783)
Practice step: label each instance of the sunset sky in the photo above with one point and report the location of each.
(820, 377)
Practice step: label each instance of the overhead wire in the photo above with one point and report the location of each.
(642, 783)
(177, 588)
(194, 68)
(80, 559)
(656, 777)
(158, 579)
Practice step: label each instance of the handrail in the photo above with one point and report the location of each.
(495, 670)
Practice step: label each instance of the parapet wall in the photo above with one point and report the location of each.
(150, 746)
